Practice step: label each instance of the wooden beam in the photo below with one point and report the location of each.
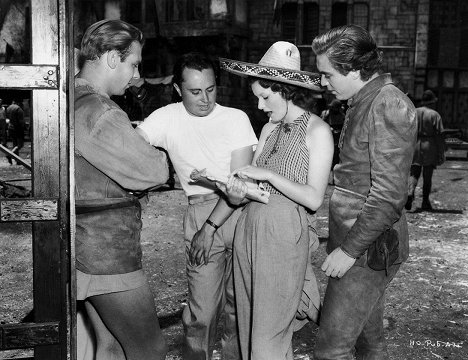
(50, 174)
(202, 28)
(28, 76)
(18, 159)
(27, 335)
(28, 210)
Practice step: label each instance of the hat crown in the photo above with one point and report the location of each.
(283, 55)
(428, 97)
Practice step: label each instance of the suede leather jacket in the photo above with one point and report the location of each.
(371, 179)
(111, 162)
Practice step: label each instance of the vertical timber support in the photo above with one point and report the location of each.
(51, 239)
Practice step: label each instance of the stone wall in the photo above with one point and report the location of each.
(393, 23)
(393, 26)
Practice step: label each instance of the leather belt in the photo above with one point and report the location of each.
(84, 207)
(350, 192)
(199, 198)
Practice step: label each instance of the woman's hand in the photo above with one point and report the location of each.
(253, 172)
(236, 190)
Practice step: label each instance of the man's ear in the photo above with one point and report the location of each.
(355, 74)
(177, 88)
(113, 58)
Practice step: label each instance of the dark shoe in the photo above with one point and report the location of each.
(426, 205)
(409, 202)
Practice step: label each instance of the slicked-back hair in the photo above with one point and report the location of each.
(350, 48)
(192, 60)
(107, 35)
(302, 97)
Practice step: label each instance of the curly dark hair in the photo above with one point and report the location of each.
(302, 97)
(192, 60)
(350, 48)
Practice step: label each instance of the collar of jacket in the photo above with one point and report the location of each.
(80, 82)
(370, 88)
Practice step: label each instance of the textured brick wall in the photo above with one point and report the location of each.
(393, 23)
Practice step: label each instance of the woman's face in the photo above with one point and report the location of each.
(272, 103)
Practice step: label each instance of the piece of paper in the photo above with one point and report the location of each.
(254, 191)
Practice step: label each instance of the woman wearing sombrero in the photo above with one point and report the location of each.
(271, 246)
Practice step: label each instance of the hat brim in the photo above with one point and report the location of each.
(429, 102)
(303, 79)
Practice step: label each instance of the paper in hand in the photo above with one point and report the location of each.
(254, 191)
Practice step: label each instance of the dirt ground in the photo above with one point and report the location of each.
(427, 304)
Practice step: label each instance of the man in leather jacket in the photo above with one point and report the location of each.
(376, 149)
(112, 164)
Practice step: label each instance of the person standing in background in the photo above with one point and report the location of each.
(334, 116)
(371, 180)
(3, 125)
(429, 151)
(16, 126)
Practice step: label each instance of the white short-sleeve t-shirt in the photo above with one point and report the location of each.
(195, 142)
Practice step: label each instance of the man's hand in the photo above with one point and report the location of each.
(337, 263)
(201, 245)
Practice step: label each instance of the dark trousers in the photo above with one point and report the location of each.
(3, 132)
(415, 174)
(17, 136)
(352, 316)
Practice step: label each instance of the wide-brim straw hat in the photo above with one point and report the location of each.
(281, 62)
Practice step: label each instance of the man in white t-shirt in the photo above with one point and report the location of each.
(200, 134)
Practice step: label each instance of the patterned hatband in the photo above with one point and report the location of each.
(294, 77)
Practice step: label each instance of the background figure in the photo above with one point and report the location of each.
(429, 151)
(273, 241)
(113, 164)
(200, 134)
(371, 179)
(3, 125)
(16, 126)
(335, 116)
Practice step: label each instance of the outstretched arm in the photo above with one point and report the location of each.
(203, 239)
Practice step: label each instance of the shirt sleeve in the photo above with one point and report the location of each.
(392, 137)
(155, 126)
(115, 148)
(20, 115)
(242, 133)
(438, 124)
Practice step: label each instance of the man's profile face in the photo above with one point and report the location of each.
(126, 71)
(198, 91)
(342, 86)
